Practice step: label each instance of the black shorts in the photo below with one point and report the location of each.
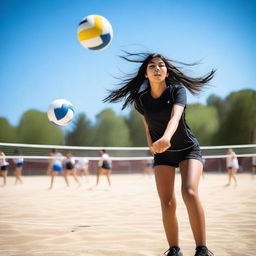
(70, 166)
(4, 167)
(173, 158)
(106, 166)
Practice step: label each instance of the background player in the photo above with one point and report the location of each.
(232, 166)
(4, 166)
(70, 168)
(55, 165)
(105, 165)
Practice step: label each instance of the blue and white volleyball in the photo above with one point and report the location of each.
(60, 112)
(95, 32)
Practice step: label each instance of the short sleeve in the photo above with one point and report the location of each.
(180, 96)
(138, 106)
(105, 157)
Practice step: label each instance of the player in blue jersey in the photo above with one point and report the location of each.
(19, 161)
(55, 165)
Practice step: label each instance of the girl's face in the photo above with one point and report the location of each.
(156, 70)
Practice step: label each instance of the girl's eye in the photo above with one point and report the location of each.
(160, 66)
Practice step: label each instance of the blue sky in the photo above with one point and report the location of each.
(42, 60)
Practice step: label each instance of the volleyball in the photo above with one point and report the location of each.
(60, 112)
(95, 32)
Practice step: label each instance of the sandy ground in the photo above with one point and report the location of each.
(123, 220)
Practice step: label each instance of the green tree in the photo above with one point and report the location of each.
(218, 103)
(111, 130)
(136, 129)
(7, 131)
(34, 127)
(82, 133)
(203, 120)
(239, 123)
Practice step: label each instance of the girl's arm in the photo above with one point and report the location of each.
(164, 143)
(149, 140)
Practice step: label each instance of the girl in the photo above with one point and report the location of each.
(82, 166)
(70, 168)
(18, 167)
(104, 166)
(162, 104)
(55, 165)
(232, 166)
(4, 166)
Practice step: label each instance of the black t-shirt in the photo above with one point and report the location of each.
(157, 113)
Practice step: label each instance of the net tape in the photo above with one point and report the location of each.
(39, 151)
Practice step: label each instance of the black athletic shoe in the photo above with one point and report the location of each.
(203, 251)
(173, 251)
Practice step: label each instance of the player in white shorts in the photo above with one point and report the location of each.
(82, 165)
(232, 166)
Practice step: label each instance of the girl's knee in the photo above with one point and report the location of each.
(189, 193)
(168, 204)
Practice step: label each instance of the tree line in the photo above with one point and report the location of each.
(231, 120)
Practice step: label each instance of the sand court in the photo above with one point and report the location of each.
(123, 220)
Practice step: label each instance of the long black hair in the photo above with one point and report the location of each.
(131, 85)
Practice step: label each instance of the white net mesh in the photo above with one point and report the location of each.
(125, 159)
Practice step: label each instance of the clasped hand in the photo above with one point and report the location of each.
(160, 145)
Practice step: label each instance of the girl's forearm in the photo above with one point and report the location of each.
(149, 140)
(171, 128)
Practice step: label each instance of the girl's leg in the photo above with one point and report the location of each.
(4, 174)
(234, 171)
(98, 176)
(253, 171)
(108, 177)
(75, 176)
(191, 171)
(229, 176)
(65, 174)
(165, 176)
(18, 175)
(53, 174)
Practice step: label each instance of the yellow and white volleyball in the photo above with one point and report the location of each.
(60, 112)
(95, 32)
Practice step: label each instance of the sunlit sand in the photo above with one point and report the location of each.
(124, 220)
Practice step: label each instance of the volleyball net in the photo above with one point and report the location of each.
(125, 159)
